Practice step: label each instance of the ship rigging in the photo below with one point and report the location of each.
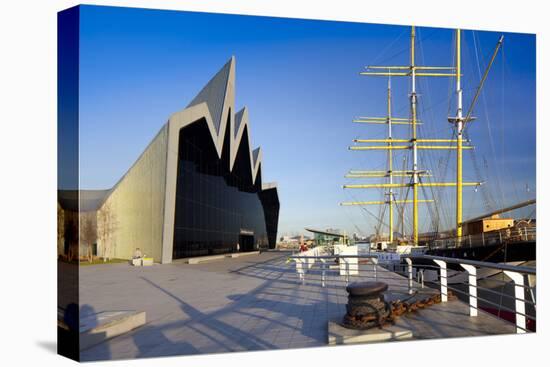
(414, 176)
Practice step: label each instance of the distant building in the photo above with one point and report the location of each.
(333, 230)
(196, 189)
(76, 212)
(329, 237)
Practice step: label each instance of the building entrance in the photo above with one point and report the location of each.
(246, 242)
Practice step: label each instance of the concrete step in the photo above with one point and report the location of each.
(98, 327)
(201, 259)
(338, 334)
(240, 254)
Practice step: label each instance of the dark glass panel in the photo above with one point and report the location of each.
(217, 208)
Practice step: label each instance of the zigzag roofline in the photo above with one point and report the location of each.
(216, 104)
(155, 172)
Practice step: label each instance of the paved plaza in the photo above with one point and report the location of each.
(248, 303)
(242, 304)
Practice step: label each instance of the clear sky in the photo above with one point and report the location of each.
(300, 80)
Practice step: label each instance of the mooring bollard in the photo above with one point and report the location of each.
(366, 306)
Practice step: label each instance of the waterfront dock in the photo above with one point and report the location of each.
(249, 303)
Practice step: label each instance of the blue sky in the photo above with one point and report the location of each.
(300, 80)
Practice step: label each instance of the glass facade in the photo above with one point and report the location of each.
(216, 208)
(323, 239)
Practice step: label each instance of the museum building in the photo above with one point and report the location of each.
(195, 190)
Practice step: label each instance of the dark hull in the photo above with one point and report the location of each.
(497, 253)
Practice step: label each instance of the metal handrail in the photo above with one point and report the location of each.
(482, 264)
(491, 303)
(450, 260)
(334, 256)
(515, 273)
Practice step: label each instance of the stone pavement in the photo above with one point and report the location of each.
(249, 303)
(242, 304)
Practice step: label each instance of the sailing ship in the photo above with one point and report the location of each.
(487, 237)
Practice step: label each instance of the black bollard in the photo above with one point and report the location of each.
(366, 307)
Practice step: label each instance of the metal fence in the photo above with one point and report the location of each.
(441, 273)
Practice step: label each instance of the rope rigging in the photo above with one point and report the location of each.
(430, 172)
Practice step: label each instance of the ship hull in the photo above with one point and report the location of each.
(497, 253)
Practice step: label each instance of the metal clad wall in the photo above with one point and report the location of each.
(138, 203)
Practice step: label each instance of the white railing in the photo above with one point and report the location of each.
(307, 259)
(422, 268)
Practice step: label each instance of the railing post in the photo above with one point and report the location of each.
(303, 272)
(470, 240)
(530, 281)
(520, 300)
(375, 263)
(410, 273)
(299, 269)
(323, 272)
(347, 270)
(472, 281)
(482, 239)
(443, 274)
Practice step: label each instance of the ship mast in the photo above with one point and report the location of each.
(390, 172)
(414, 140)
(459, 128)
(390, 163)
(460, 121)
(413, 71)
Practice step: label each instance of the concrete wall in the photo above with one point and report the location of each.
(137, 204)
